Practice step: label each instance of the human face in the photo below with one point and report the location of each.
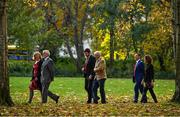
(96, 56)
(37, 57)
(87, 54)
(45, 55)
(136, 57)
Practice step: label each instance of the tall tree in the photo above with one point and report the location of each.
(176, 4)
(5, 98)
(109, 12)
(68, 18)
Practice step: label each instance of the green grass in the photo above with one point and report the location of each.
(73, 99)
(75, 87)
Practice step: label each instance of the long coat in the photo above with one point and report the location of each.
(100, 69)
(47, 71)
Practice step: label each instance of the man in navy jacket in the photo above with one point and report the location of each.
(138, 76)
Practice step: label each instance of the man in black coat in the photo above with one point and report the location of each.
(88, 69)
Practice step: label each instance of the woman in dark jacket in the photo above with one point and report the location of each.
(35, 83)
(148, 80)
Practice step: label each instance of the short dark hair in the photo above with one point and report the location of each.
(139, 54)
(87, 50)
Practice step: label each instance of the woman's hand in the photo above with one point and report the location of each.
(82, 69)
(90, 77)
(36, 79)
(152, 83)
(95, 69)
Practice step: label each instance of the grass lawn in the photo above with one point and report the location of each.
(73, 99)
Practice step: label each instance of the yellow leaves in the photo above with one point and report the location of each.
(32, 3)
(121, 54)
(46, 4)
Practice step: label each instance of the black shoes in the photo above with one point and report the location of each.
(57, 100)
(135, 101)
(89, 101)
(103, 102)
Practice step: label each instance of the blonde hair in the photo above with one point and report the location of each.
(97, 53)
(36, 53)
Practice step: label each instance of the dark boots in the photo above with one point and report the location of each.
(31, 94)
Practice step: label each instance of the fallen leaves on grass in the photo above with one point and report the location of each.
(73, 106)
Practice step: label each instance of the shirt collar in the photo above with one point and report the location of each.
(88, 57)
(138, 60)
(46, 58)
(99, 59)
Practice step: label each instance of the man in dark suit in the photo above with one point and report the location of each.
(47, 76)
(89, 74)
(138, 76)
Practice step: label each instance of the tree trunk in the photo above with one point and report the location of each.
(111, 46)
(77, 40)
(5, 98)
(161, 62)
(174, 28)
(176, 96)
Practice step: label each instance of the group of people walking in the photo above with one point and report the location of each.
(95, 76)
(94, 70)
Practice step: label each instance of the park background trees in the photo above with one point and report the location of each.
(118, 28)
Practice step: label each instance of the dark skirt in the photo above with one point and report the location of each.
(34, 85)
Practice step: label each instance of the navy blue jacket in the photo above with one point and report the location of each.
(139, 72)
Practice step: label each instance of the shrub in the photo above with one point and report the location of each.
(65, 67)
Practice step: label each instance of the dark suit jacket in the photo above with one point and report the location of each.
(90, 67)
(139, 72)
(149, 73)
(47, 71)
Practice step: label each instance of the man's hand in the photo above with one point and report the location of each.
(152, 83)
(133, 79)
(95, 69)
(90, 77)
(82, 69)
(143, 83)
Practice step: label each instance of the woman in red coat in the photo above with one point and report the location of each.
(35, 83)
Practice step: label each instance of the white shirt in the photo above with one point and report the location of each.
(137, 61)
(46, 58)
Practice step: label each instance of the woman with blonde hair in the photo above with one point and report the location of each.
(35, 83)
(148, 79)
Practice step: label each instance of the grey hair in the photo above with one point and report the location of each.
(97, 53)
(46, 51)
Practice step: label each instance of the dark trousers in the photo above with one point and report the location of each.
(144, 97)
(99, 84)
(138, 87)
(95, 88)
(45, 93)
(88, 88)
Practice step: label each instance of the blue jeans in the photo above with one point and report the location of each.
(96, 85)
